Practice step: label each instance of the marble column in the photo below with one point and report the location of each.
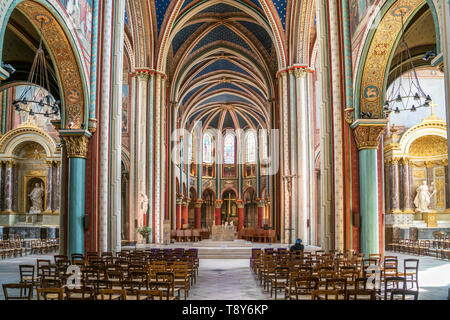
(367, 134)
(48, 207)
(447, 190)
(178, 213)
(8, 186)
(407, 208)
(56, 198)
(395, 191)
(15, 187)
(217, 212)
(76, 142)
(240, 206)
(388, 187)
(185, 212)
(198, 214)
(261, 207)
(430, 173)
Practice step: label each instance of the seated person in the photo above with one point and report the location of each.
(297, 246)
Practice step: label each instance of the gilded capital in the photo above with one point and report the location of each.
(76, 145)
(300, 73)
(368, 132)
(143, 74)
(218, 203)
(348, 115)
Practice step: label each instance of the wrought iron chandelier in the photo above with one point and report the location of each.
(405, 92)
(36, 92)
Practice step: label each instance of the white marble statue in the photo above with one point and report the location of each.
(36, 197)
(423, 197)
(144, 208)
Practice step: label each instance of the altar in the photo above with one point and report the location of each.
(225, 232)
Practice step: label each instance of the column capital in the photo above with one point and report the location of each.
(240, 204)
(368, 132)
(198, 203)
(143, 74)
(218, 204)
(260, 202)
(76, 142)
(349, 115)
(404, 161)
(300, 72)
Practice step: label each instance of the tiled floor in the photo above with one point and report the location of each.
(232, 279)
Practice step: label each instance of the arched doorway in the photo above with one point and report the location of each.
(207, 209)
(250, 209)
(229, 210)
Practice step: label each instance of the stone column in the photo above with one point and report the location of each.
(178, 212)
(217, 212)
(261, 207)
(367, 136)
(447, 190)
(198, 214)
(8, 186)
(407, 201)
(387, 187)
(56, 197)
(2, 185)
(15, 194)
(76, 143)
(395, 191)
(48, 207)
(240, 206)
(430, 176)
(185, 211)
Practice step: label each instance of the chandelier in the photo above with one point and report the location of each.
(35, 98)
(405, 92)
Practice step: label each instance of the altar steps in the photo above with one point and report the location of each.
(224, 253)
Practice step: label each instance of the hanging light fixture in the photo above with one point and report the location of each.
(405, 93)
(35, 99)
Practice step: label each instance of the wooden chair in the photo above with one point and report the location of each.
(149, 295)
(27, 274)
(25, 291)
(280, 280)
(393, 283)
(83, 293)
(181, 278)
(196, 235)
(50, 293)
(303, 287)
(403, 293)
(411, 272)
(360, 294)
(113, 294)
(325, 295)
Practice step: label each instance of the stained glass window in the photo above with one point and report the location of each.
(251, 147)
(207, 148)
(228, 149)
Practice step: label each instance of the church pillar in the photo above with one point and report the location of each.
(303, 170)
(388, 187)
(407, 202)
(447, 190)
(178, 213)
(217, 212)
(445, 42)
(367, 136)
(395, 191)
(261, 207)
(198, 214)
(240, 206)
(56, 207)
(8, 186)
(185, 213)
(48, 203)
(76, 143)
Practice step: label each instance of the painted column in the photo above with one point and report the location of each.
(406, 187)
(240, 206)
(294, 155)
(185, 212)
(76, 143)
(2, 185)
(395, 192)
(56, 206)
(198, 214)
(367, 136)
(8, 187)
(387, 188)
(303, 124)
(261, 207)
(217, 212)
(48, 207)
(178, 213)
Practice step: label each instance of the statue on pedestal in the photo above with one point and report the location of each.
(423, 197)
(36, 197)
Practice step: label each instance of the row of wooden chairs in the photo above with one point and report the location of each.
(188, 235)
(279, 270)
(439, 248)
(257, 235)
(11, 248)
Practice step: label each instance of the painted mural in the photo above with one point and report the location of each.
(80, 12)
(358, 11)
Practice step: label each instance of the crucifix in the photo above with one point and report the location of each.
(432, 105)
(229, 204)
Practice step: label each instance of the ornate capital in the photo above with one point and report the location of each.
(240, 204)
(76, 145)
(92, 125)
(404, 161)
(143, 74)
(349, 115)
(218, 203)
(368, 132)
(300, 72)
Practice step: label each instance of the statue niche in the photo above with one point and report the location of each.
(35, 191)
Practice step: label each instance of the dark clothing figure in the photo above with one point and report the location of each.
(297, 247)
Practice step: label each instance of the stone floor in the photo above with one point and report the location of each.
(232, 279)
